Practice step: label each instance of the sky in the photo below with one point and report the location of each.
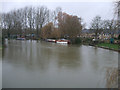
(87, 9)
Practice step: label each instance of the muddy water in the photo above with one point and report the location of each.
(32, 64)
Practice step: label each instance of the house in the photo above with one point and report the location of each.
(103, 34)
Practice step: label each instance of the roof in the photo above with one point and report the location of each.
(107, 31)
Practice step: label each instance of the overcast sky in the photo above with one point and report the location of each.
(87, 9)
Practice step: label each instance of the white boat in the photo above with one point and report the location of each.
(20, 39)
(50, 40)
(63, 41)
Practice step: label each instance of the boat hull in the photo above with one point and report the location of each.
(20, 39)
(62, 42)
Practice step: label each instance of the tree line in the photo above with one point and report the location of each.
(40, 21)
(110, 26)
(25, 20)
(45, 23)
(99, 26)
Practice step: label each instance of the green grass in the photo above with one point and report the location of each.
(0, 47)
(108, 45)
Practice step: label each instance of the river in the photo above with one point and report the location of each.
(32, 64)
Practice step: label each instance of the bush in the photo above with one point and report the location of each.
(119, 37)
(75, 41)
(86, 40)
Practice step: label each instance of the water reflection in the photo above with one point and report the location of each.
(0, 68)
(112, 78)
(53, 65)
(70, 58)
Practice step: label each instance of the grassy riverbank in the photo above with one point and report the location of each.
(0, 47)
(108, 45)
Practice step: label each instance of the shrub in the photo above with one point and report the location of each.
(86, 40)
(119, 37)
(75, 40)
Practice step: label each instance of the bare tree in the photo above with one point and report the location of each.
(26, 20)
(117, 13)
(118, 5)
(30, 20)
(19, 22)
(54, 15)
(42, 15)
(109, 26)
(8, 20)
(96, 25)
(117, 8)
(1, 25)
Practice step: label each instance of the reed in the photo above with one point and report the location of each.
(112, 78)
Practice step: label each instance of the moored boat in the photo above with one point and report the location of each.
(20, 39)
(51, 40)
(63, 41)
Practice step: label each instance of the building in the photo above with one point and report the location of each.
(106, 34)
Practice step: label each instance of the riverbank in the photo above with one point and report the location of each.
(108, 45)
(114, 47)
(0, 47)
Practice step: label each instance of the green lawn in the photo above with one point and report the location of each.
(0, 47)
(112, 46)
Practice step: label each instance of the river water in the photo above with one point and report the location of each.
(32, 64)
(0, 68)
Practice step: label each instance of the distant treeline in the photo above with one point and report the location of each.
(41, 22)
(45, 23)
